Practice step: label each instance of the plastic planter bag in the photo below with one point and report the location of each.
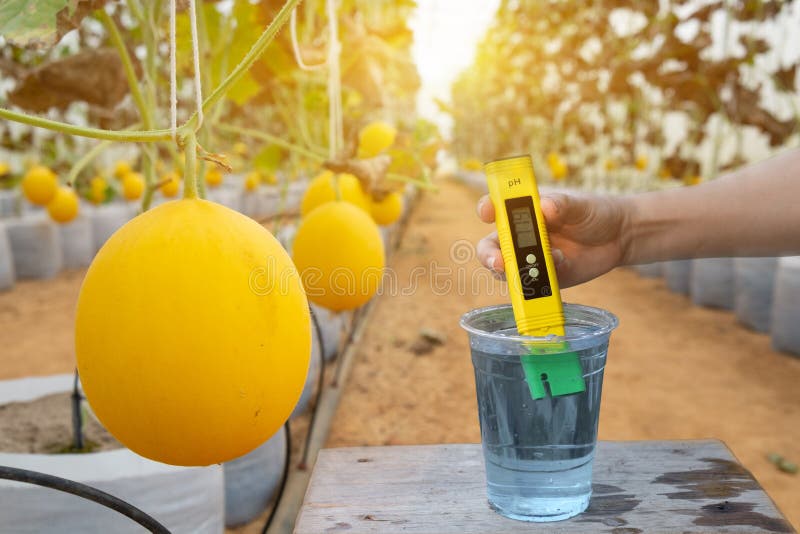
(7, 274)
(108, 219)
(285, 235)
(712, 283)
(249, 203)
(312, 377)
(650, 270)
(754, 282)
(77, 245)
(269, 202)
(474, 179)
(332, 325)
(35, 246)
(785, 327)
(227, 196)
(677, 275)
(294, 195)
(8, 203)
(251, 480)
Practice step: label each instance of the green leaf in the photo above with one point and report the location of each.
(268, 159)
(24, 22)
(243, 90)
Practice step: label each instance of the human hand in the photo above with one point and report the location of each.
(587, 235)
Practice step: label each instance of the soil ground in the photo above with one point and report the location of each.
(675, 370)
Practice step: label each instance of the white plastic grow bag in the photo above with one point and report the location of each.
(785, 327)
(312, 377)
(712, 282)
(227, 196)
(294, 195)
(269, 202)
(77, 245)
(677, 274)
(251, 481)
(285, 235)
(474, 179)
(333, 326)
(8, 203)
(650, 270)
(35, 246)
(7, 275)
(249, 203)
(183, 499)
(754, 282)
(107, 219)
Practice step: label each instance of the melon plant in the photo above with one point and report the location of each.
(472, 164)
(213, 177)
(98, 188)
(132, 186)
(64, 206)
(121, 169)
(204, 356)
(192, 331)
(387, 210)
(375, 138)
(188, 353)
(339, 253)
(328, 187)
(171, 185)
(557, 166)
(39, 185)
(252, 181)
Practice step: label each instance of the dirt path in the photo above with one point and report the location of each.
(675, 371)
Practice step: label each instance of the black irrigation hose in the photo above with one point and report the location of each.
(303, 465)
(87, 492)
(284, 478)
(77, 415)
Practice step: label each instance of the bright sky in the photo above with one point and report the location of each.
(446, 33)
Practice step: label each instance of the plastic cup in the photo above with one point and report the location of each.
(538, 453)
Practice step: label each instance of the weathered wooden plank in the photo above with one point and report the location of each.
(639, 486)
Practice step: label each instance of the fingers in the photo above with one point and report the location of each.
(560, 209)
(486, 209)
(563, 268)
(489, 253)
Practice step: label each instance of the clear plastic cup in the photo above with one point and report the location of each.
(538, 453)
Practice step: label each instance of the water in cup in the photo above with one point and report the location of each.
(538, 453)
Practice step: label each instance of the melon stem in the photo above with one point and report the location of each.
(190, 170)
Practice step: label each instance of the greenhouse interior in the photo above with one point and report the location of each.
(284, 266)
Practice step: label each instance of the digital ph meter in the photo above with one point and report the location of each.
(531, 275)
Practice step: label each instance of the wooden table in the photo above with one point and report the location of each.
(639, 486)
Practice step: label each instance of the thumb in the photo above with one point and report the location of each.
(554, 205)
(561, 209)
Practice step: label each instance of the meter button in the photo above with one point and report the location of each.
(530, 258)
(533, 272)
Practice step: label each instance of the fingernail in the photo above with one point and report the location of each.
(558, 257)
(480, 206)
(491, 263)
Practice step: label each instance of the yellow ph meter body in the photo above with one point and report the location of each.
(531, 275)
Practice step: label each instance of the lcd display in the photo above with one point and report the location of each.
(523, 227)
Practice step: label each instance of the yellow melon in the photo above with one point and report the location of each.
(338, 251)
(323, 189)
(64, 206)
(388, 210)
(192, 334)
